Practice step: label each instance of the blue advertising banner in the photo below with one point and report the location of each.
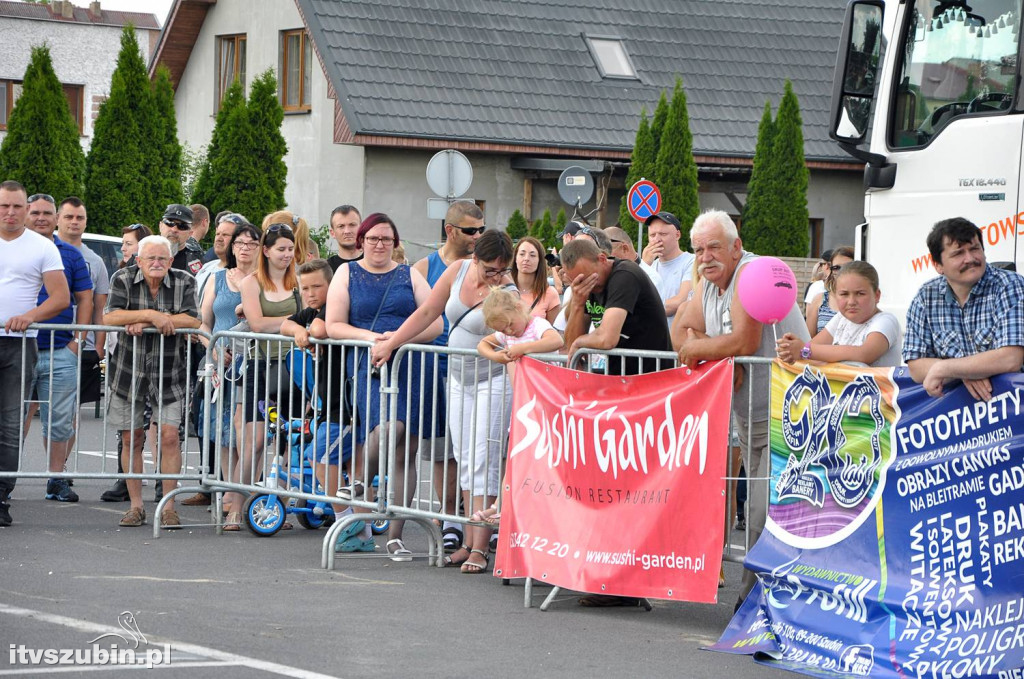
(894, 545)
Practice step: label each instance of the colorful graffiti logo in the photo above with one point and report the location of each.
(836, 447)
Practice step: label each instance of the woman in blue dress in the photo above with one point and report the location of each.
(368, 300)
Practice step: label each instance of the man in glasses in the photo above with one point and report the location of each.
(463, 225)
(72, 221)
(226, 225)
(345, 220)
(176, 227)
(56, 383)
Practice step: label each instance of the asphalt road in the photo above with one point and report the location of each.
(240, 606)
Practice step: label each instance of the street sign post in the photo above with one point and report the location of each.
(642, 200)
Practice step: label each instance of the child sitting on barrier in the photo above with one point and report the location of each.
(860, 333)
(518, 333)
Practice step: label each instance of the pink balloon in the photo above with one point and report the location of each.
(767, 289)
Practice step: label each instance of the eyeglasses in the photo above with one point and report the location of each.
(378, 240)
(496, 273)
(42, 196)
(246, 244)
(136, 227)
(237, 220)
(275, 228)
(161, 260)
(835, 268)
(175, 224)
(469, 230)
(617, 241)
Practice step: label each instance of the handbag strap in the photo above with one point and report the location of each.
(382, 299)
(466, 312)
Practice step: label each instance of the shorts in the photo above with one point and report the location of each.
(332, 444)
(90, 378)
(56, 386)
(121, 417)
(260, 383)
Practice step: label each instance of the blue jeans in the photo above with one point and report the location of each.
(62, 366)
(17, 368)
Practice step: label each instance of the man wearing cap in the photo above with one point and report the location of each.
(664, 255)
(176, 227)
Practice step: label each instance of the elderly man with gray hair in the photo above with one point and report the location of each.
(717, 326)
(150, 294)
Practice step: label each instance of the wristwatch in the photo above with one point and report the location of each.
(805, 353)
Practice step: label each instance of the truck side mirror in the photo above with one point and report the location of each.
(860, 52)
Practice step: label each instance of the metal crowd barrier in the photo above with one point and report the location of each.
(81, 464)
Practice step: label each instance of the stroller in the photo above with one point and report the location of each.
(265, 512)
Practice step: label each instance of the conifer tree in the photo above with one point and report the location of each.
(641, 167)
(206, 191)
(41, 149)
(658, 126)
(268, 150)
(544, 231)
(122, 177)
(758, 211)
(169, 155)
(675, 167)
(517, 227)
(560, 221)
(789, 176)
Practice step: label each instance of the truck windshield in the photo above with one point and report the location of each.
(956, 59)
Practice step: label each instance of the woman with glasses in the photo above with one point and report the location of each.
(221, 298)
(480, 397)
(368, 300)
(530, 272)
(269, 297)
(824, 306)
(130, 237)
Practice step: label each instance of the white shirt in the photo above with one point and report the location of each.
(813, 290)
(846, 333)
(202, 276)
(23, 261)
(672, 273)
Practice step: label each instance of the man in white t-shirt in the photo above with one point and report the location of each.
(28, 262)
(664, 255)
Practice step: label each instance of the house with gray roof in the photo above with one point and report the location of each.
(373, 88)
(84, 43)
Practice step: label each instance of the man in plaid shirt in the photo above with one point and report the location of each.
(150, 294)
(968, 323)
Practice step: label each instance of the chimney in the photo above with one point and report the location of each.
(94, 8)
(67, 10)
(55, 7)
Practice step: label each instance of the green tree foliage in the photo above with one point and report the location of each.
(560, 221)
(205, 191)
(41, 149)
(675, 167)
(658, 127)
(517, 227)
(789, 179)
(758, 211)
(245, 170)
(122, 178)
(168, 148)
(192, 162)
(641, 167)
(544, 231)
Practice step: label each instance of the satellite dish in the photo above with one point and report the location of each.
(575, 186)
(449, 174)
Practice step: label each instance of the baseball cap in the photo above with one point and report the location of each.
(826, 256)
(666, 217)
(572, 228)
(181, 213)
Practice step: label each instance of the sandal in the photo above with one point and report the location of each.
(397, 551)
(233, 522)
(351, 492)
(470, 568)
(451, 538)
(490, 516)
(450, 559)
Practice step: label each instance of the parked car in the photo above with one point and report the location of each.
(107, 247)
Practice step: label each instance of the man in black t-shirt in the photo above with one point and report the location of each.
(345, 220)
(621, 301)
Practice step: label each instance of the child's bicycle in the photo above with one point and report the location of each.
(265, 512)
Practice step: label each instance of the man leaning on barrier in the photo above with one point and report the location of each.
(967, 323)
(150, 294)
(719, 327)
(27, 262)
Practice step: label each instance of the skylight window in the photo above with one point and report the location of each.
(611, 57)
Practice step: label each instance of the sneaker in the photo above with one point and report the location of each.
(134, 517)
(60, 490)
(197, 500)
(119, 493)
(741, 524)
(169, 519)
(352, 530)
(356, 544)
(5, 511)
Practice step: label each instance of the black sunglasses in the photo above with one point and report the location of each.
(274, 228)
(136, 227)
(469, 230)
(42, 196)
(175, 224)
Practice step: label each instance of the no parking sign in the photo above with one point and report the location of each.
(643, 200)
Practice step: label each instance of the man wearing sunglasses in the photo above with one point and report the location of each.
(176, 227)
(463, 225)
